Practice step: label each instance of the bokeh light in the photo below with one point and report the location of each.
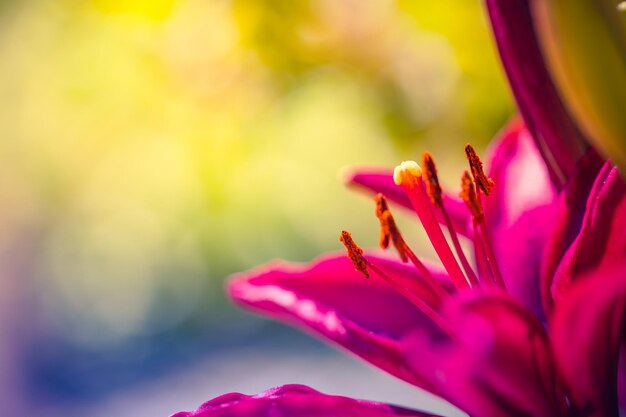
(151, 148)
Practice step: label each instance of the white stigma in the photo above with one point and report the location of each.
(406, 168)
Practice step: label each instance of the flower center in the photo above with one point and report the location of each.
(425, 193)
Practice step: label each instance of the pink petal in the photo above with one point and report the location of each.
(498, 364)
(569, 212)
(294, 401)
(602, 237)
(330, 299)
(587, 331)
(519, 211)
(380, 180)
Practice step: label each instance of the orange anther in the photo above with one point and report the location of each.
(355, 253)
(468, 194)
(483, 182)
(388, 228)
(432, 180)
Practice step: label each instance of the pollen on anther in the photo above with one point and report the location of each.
(381, 209)
(483, 182)
(355, 253)
(406, 171)
(432, 179)
(388, 229)
(468, 194)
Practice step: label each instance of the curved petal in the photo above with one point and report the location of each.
(295, 401)
(586, 331)
(602, 237)
(519, 211)
(569, 213)
(329, 298)
(556, 134)
(499, 364)
(380, 180)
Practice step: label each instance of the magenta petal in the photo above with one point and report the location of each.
(519, 212)
(587, 331)
(557, 136)
(330, 299)
(295, 401)
(380, 180)
(569, 213)
(602, 237)
(498, 365)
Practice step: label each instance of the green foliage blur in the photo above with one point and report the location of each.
(150, 148)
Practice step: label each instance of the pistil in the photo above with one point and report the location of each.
(408, 175)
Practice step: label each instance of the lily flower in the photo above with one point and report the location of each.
(478, 337)
(528, 322)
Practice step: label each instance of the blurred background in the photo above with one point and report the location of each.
(151, 148)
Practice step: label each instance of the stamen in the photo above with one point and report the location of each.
(390, 232)
(388, 229)
(483, 182)
(436, 196)
(469, 272)
(355, 253)
(468, 194)
(481, 239)
(385, 226)
(432, 180)
(408, 175)
(481, 257)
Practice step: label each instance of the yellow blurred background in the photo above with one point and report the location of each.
(150, 148)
